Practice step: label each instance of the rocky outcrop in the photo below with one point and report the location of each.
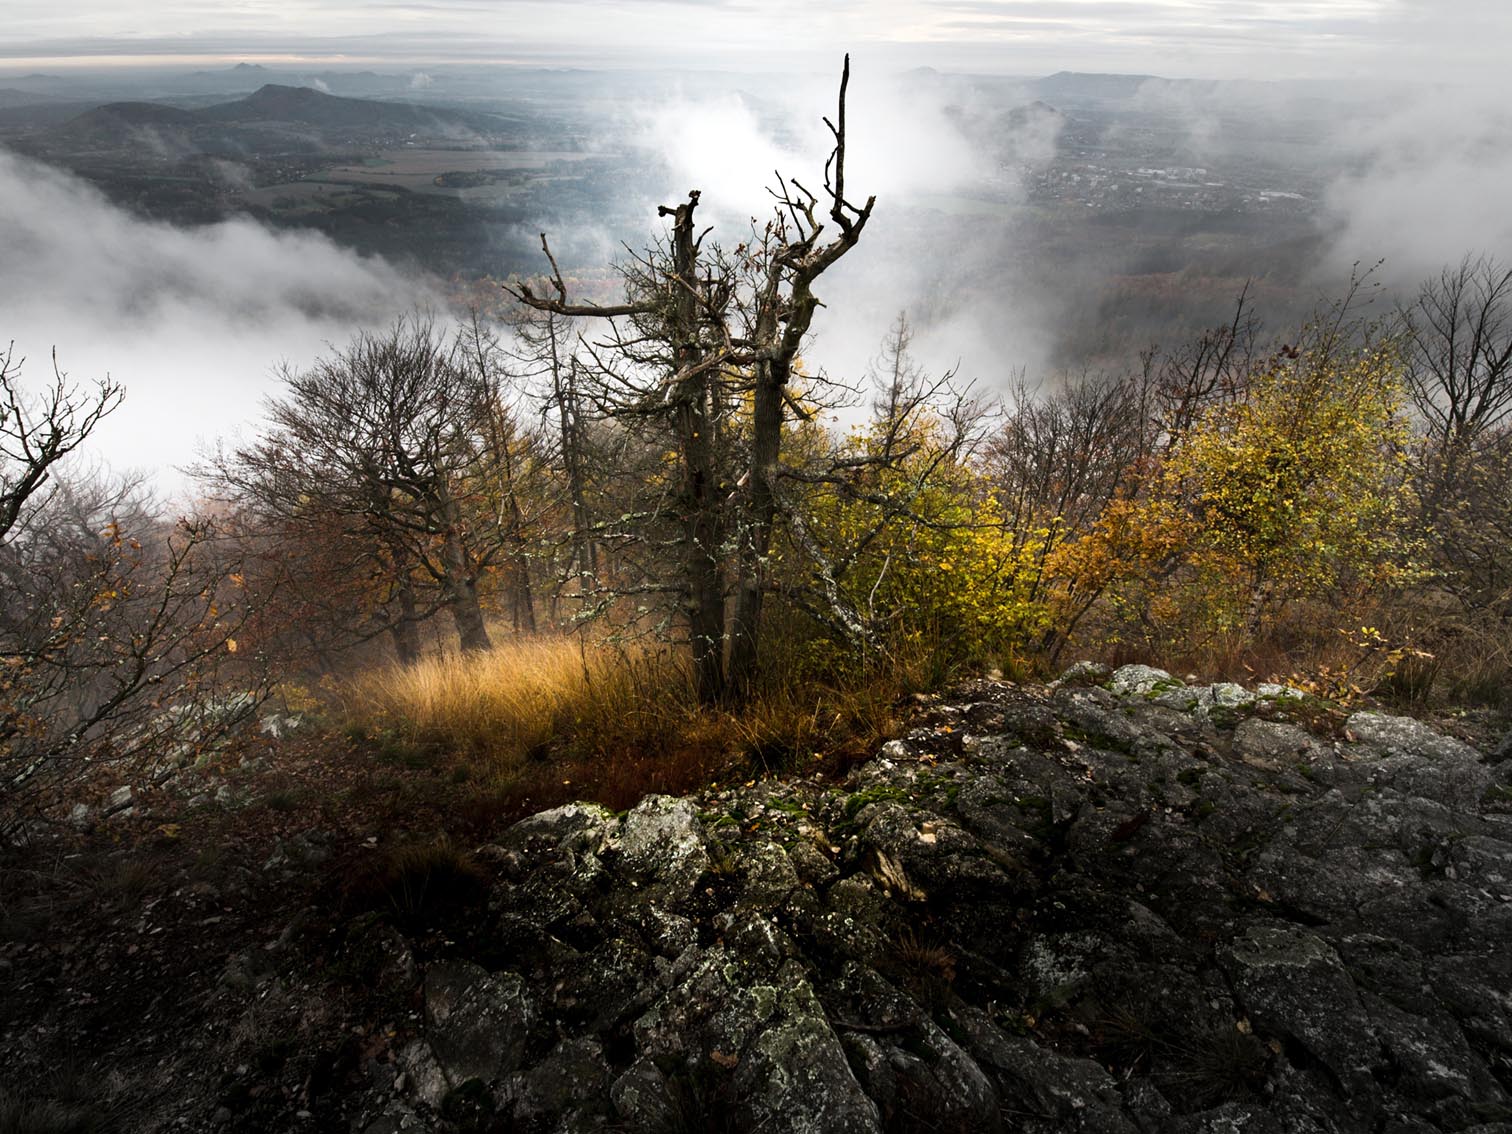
(1119, 904)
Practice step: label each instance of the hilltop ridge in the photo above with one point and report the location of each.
(1119, 903)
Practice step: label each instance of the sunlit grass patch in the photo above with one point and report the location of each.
(526, 700)
(534, 723)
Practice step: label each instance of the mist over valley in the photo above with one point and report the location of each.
(1029, 226)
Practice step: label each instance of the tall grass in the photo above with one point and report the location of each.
(555, 718)
(528, 698)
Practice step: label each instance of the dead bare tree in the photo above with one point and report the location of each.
(701, 336)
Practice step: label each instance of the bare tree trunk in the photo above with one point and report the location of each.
(462, 600)
(565, 388)
(702, 523)
(756, 534)
(524, 599)
(461, 587)
(405, 630)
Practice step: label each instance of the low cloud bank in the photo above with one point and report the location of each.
(191, 321)
(946, 162)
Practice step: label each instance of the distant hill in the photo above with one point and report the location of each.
(11, 98)
(310, 107)
(128, 123)
(39, 115)
(273, 120)
(1074, 85)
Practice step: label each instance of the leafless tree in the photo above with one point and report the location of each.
(35, 434)
(400, 446)
(1457, 359)
(119, 638)
(1458, 351)
(701, 334)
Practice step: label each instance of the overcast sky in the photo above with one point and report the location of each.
(1437, 39)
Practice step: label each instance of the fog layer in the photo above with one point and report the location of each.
(191, 321)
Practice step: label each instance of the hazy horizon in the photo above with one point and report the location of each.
(1459, 41)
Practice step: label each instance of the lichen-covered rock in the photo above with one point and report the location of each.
(663, 842)
(793, 1076)
(644, 1102)
(571, 1083)
(585, 827)
(1416, 760)
(1291, 983)
(1141, 681)
(1084, 673)
(1275, 746)
(1042, 1090)
(1150, 906)
(476, 1022)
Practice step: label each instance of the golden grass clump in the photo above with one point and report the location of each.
(526, 698)
(536, 722)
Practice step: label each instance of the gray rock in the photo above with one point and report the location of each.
(793, 1077)
(1271, 691)
(663, 842)
(580, 827)
(1142, 681)
(1098, 718)
(1275, 746)
(1501, 751)
(1043, 1090)
(1135, 912)
(1084, 673)
(644, 1103)
(572, 1080)
(424, 1078)
(1292, 984)
(476, 1022)
(1416, 760)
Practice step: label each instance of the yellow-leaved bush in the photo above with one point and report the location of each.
(1292, 493)
(910, 559)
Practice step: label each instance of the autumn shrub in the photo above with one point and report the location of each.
(1275, 519)
(905, 569)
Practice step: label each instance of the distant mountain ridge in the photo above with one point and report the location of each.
(272, 119)
(277, 103)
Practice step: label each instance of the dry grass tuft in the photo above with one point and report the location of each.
(525, 700)
(417, 880)
(544, 721)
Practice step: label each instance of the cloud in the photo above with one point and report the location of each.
(1427, 184)
(944, 160)
(191, 321)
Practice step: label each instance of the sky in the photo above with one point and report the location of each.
(1442, 40)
